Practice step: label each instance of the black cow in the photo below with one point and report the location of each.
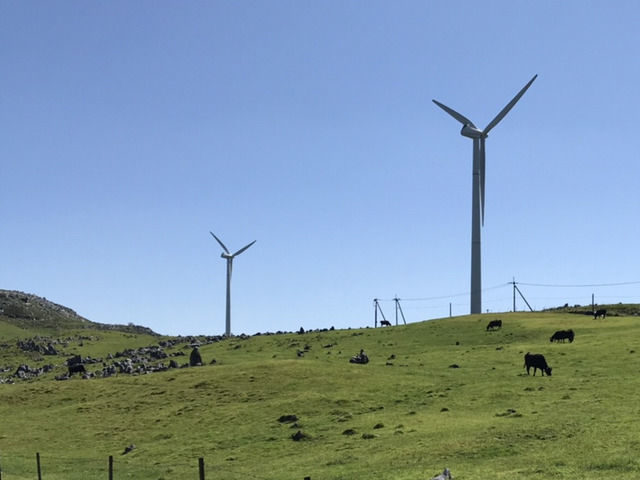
(493, 324)
(562, 335)
(385, 323)
(600, 313)
(536, 361)
(75, 365)
(76, 368)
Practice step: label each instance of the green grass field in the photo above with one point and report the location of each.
(406, 415)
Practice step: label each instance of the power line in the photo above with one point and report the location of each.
(578, 286)
(442, 296)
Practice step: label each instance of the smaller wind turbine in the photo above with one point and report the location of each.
(226, 254)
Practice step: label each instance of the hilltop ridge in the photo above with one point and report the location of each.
(26, 310)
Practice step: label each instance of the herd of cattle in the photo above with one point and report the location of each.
(536, 360)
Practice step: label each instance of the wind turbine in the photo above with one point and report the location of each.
(226, 254)
(478, 195)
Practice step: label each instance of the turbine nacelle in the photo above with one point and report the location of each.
(471, 132)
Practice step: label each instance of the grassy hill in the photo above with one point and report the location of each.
(39, 315)
(443, 393)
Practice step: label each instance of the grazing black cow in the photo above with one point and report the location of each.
(562, 335)
(536, 361)
(75, 365)
(385, 323)
(493, 324)
(600, 313)
(76, 368)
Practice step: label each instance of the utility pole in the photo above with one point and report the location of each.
(515, 288)
(398, 307)
(377, 308)
(375, 313)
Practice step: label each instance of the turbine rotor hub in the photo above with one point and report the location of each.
(471, 132)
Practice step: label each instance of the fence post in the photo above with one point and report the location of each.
(110, 467)
(38, 463)
(201, 468)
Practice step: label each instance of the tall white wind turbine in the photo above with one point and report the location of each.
(478, 194)
(226, 254)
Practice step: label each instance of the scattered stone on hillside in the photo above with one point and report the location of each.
(349, 431)
(454, 365)
(510, 412)
(299, 435)
(128, 449)
(213, 361)
(445, 475)
(378, 426)
(195, 359)
(444, 409)
(25, 372)
(360, 358)
(288, 418)
(368, 436)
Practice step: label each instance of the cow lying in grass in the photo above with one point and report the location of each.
(562, 335)
(446, 475)
(536, 361)
(493, 324)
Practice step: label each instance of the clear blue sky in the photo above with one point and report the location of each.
(129, 130)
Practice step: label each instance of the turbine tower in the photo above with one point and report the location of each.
(478, 194)
(226, 254)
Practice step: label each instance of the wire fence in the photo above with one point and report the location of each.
(56, 467)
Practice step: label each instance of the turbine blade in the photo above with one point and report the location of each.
(461, 118)
(243, 249)
(220, 242)
(509, 106)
